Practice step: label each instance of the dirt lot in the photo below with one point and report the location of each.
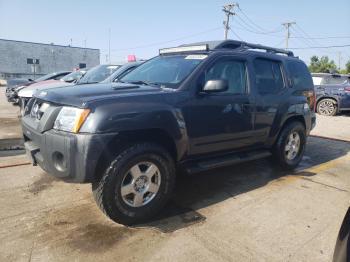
(249, 212)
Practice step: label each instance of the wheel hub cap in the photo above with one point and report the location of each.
(140, 184)
(292, 146)
(326, 108)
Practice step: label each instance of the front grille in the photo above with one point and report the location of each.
(36, 108)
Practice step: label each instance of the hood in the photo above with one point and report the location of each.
(46, 82)
(30, 90)
(15, 82)
(83, 95)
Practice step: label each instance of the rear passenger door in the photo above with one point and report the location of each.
(271, 94)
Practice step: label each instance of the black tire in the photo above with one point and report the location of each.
(279, 149)
(327, 107)
(107, 191)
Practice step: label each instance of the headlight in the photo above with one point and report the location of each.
(70, 119)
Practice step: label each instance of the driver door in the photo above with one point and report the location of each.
(223, 120)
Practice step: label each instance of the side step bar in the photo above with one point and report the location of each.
(227, 160)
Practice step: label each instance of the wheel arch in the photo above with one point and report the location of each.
(336, 99)
(124, 139)
(287, 121)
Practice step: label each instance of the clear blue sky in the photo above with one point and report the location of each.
(151, 25)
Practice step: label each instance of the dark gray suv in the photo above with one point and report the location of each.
(194, 107)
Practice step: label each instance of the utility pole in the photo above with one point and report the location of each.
(287, 25)
(228, 10)
(109, 45)
(339, 59)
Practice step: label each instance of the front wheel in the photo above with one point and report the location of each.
(136, 185)
(290, 146)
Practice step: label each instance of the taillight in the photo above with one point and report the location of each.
(311, 99)
(347, 89)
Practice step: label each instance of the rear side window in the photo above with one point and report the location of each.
(268, 76)
(335, 80)
(300, 76)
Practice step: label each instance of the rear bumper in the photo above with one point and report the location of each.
(70, 157)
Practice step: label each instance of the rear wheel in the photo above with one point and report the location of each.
(290, 146)
(136, 185)
(327, 107)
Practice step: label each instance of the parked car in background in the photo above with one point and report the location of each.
(332, 93)
(91, 76)
(122, 71)
(13, 86)
(27, 92)
(342, 246)
(98, 74)
(194, 107)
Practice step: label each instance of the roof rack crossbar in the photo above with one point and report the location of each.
(267, 48)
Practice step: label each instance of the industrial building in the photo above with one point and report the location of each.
(20, 59)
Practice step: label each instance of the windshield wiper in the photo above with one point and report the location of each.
(83, 83)
(141, 82)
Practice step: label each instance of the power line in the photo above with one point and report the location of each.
(168, 41)
(316, 47)
(236, 34)
(279, 43)
(254, 32)
(262, 30)
(307, 40)
(319, 38)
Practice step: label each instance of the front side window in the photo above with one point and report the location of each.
(169, 71)
(268, 76)
(233, 71)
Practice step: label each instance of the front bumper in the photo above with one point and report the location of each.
(70, 157)
(11, 96)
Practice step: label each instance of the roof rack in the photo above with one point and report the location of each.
(268, 49)
(234, 44)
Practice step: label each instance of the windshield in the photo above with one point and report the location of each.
(98, 74)
(74, 76)
(45, 77)
(164, 70)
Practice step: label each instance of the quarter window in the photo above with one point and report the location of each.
(301, 78)
(268, 76)
(232, 71)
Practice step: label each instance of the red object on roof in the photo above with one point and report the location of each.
(131, 58)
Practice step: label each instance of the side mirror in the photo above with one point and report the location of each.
(213, 86)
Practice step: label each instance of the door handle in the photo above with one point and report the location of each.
(246, 106)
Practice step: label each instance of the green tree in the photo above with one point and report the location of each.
(347, 67)
(322, 65)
